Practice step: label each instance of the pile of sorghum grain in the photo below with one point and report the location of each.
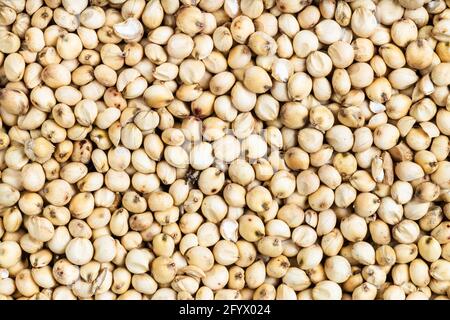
(224, 149)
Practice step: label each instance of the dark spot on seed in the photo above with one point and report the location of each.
(197, 111)
(259, 233)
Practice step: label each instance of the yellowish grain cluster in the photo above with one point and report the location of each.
(224, 149)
